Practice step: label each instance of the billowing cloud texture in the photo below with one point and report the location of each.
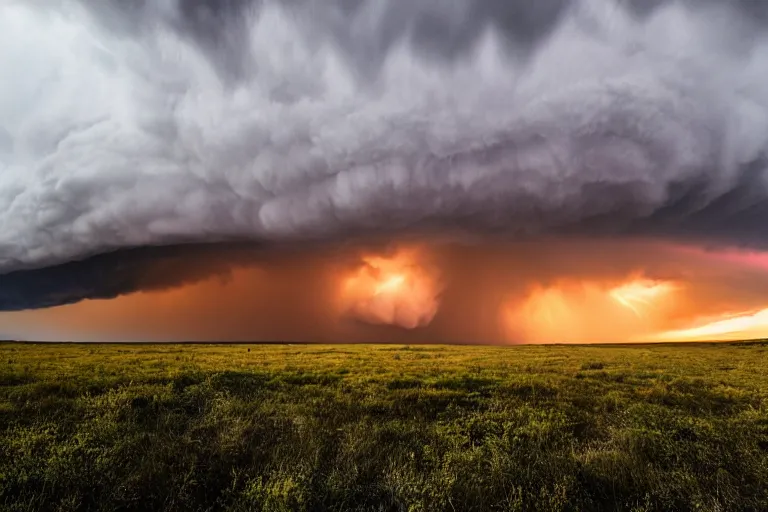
(128, 124)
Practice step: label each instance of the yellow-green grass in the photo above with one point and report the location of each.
(361, 427)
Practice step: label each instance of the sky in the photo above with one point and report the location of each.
(474, 171)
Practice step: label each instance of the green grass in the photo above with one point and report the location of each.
(433, 428)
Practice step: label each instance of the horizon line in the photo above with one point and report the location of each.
(418, 343)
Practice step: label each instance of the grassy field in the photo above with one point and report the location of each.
(309, 427)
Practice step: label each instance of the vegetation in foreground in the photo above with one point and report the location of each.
(308, 427)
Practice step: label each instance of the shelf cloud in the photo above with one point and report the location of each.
(131, 124)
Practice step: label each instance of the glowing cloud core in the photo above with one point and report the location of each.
(585, 311)
(393, 290)
(640, 294)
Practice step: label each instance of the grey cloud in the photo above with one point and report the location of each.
(157, 123)
(364, 30)
(111, 275)
(6, 142)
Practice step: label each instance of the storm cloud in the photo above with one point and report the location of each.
(132, 124)
(107, 276)
(241, 292)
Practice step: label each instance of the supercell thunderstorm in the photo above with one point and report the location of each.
(133, 124)
(154, 123)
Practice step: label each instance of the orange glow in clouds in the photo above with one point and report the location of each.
(391, 285)
(751, 325)
(584, 311)
(420, 293)
(640, 294)
(396, 290)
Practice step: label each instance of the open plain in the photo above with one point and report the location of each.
(361, 427)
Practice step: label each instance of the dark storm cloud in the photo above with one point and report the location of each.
(111, 275)
(137, 123)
